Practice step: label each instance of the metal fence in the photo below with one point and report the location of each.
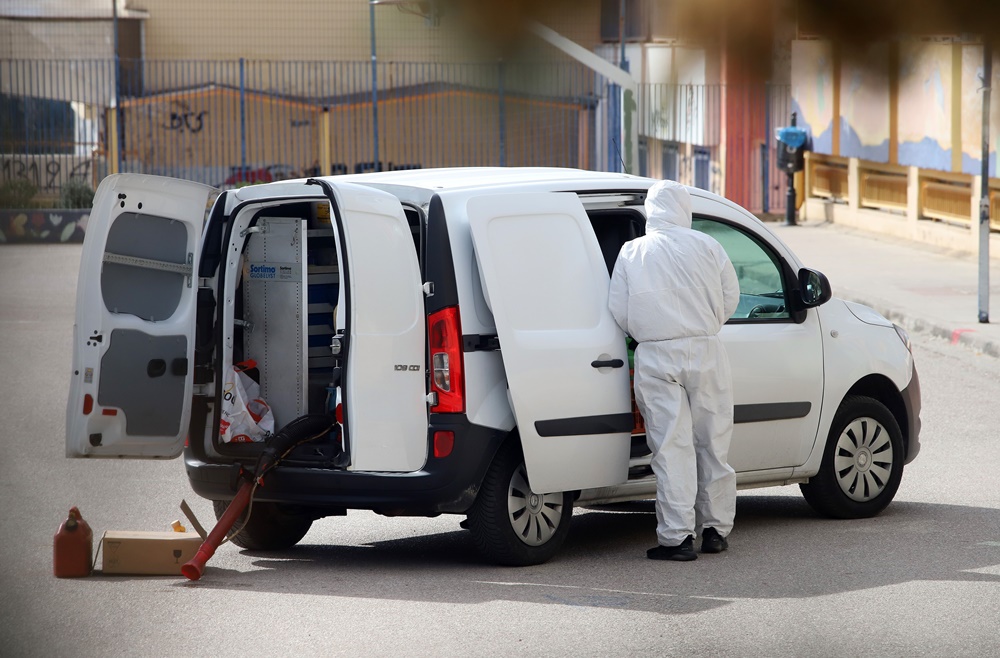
(228, 123)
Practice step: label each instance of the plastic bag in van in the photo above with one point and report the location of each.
(246, 417)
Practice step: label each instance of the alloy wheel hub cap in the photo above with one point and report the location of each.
(534, 518)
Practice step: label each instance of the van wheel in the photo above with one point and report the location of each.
(272, 527)
(863, 462)
(511, 524)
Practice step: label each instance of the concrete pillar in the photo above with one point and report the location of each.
(111, 134)
(688, 165)
(807, 181)
(325, 166)
(912, 196)
(853, 185)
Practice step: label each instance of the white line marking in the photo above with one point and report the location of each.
(594, 589)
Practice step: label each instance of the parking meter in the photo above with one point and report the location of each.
(793, 142)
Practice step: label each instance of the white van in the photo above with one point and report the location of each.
(455, 321)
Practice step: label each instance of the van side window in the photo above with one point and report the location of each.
(762, 289)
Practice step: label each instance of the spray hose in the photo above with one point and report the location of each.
(298, 432)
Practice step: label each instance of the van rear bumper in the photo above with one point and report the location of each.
(444, 485)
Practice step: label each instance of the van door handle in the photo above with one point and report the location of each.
(613, 363)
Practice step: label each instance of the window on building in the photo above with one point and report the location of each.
(671, 156)
(636, 20)
(702, 161)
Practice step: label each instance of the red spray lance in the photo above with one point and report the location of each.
(299, 431)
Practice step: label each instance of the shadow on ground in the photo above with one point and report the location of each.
(780, 549)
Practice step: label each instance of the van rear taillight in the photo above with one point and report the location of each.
(444, 335)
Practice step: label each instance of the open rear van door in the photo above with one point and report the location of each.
(130, 392)
(381, 313)
(546, 282)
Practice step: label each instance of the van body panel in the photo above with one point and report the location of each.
(773, 366)
(443, 485)
(776, 365)
(486, 393)
(858, 350)
(385, 372)
(546, 284)
(133, 341)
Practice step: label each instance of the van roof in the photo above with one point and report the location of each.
(426, 182)
(473, 177)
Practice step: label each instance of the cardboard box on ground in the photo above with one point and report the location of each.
(147, 553)
(142, 553)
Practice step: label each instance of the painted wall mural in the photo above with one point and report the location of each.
(812, 91)
(43, 225)
(928, 122)
(925, 84)
(864, 105)
(972, 111)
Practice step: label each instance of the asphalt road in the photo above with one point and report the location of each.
(921, 579)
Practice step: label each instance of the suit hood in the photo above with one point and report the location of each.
(668, 204)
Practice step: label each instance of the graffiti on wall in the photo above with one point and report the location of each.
(46, 172)
(43, 225)
(193, 122)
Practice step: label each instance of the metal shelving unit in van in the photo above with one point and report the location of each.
(322, 287)
(274, 326)
(322, 290)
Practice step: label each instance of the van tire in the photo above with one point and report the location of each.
(862, 463)
(536, 528)
(272, 527)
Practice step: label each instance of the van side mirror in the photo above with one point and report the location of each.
(814, 288)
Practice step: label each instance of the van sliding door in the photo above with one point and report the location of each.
(546, 282)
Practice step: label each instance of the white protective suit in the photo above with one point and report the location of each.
(672, 290)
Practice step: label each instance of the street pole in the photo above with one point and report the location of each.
(118, 87)
(620, 114)
(765, 152)
(984, 201)
(621, 32)
(375, 165)
(243, 123)
(790, 193)
(503, 117)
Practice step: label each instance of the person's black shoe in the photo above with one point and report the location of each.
(682, 552)
(712, 541)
